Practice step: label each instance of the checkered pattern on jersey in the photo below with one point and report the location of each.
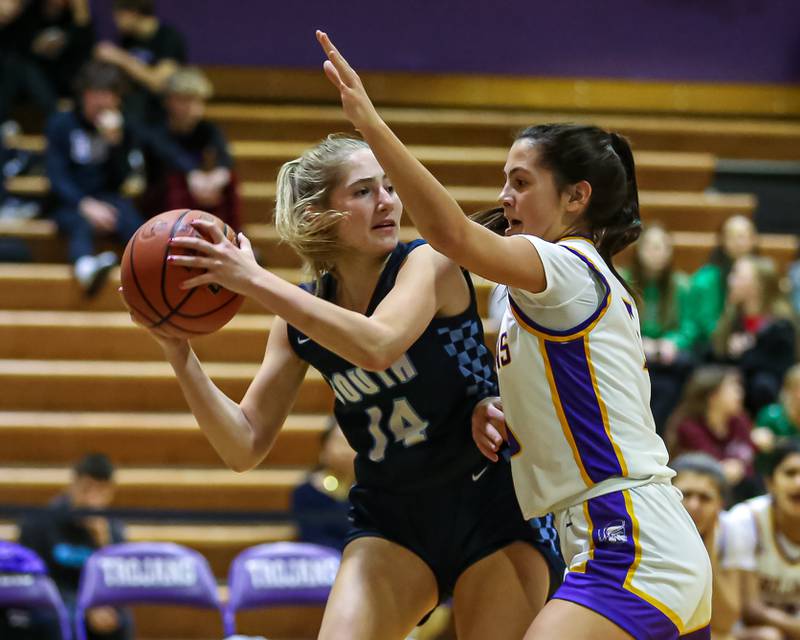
(546, 532)
(465, 343)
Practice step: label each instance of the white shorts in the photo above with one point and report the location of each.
(635, 557)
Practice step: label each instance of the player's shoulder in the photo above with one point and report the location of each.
(745, 512)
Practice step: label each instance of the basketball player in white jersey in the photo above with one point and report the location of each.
(769, 547)
(574, 385)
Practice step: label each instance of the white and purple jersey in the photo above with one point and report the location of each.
(575, 388)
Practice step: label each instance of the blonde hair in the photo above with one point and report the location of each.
(773, 302)
(190, 81)
(303, 215)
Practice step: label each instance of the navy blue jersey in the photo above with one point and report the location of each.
(410, 425)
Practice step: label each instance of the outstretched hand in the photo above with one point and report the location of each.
(358, 108)
(225, 264)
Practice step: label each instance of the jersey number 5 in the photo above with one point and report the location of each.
(404, 425)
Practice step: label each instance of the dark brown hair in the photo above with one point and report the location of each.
(574, 153)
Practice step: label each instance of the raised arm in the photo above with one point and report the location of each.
(427, 283)
(437, 216)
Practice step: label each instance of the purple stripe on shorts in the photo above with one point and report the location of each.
(700, 634)
(601, 589)
(573, 380)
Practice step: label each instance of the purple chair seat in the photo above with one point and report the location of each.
(24, 583)
(277, 574)
(145, 573)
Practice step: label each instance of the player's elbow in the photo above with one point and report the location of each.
(380, 352)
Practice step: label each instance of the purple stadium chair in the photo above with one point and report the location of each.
(145, 573)
(280, 573)
(24, 583)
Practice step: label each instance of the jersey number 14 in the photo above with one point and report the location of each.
(404, 425)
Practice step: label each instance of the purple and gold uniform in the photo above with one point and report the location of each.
(572, 375)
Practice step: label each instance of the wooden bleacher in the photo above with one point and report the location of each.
(77, 376)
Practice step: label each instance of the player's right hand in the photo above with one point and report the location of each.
(357, 106)
(489, 427)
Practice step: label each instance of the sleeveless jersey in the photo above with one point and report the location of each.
(410, 425)
(764, 550)
(575, 388)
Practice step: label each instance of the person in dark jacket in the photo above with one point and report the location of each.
(62, 41)
(65, 541)
(88, 159)
(196, 171)
(149, 52)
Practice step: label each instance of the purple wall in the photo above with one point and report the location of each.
(702, 40)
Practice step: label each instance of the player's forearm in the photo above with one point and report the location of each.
(726, 603)
(435, 213)
(757, 613)
(363, 341)
(221, 419)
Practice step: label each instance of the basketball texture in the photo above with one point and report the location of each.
(151, 286)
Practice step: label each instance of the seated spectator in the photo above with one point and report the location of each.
(88, 159)
(780, 419)
(20, 77)
(149, 53)
(709, 284)
(711, 419)
(768, 528)
(756, 332)
(320, 505)
(62, 41)
(200, 175)
(702, 482)
(667, 326)
(65, 541)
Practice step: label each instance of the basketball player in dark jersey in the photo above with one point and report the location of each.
(394, 329)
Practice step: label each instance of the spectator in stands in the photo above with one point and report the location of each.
(88, 160)
(200, 175)
(709, 284)
(19, 75)
(65, 540)
(711, 419)
(780, 419)
(320, 505)
(702, 482)
(756, 332)
(62, 41)
(768, 544)
(149, 53)
(668, 328)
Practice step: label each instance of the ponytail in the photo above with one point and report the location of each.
(578, 152)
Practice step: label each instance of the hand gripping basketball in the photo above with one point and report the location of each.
(225, 263)
(153, 283)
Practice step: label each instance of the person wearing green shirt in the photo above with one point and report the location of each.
(780, 419)
(709, 284)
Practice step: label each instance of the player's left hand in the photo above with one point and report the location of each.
(489, 427)
(233, 267)
(357, 106)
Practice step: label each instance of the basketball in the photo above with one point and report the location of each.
(151, 287)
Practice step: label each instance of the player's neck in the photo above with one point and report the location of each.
(356, 279)
(788, 526)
